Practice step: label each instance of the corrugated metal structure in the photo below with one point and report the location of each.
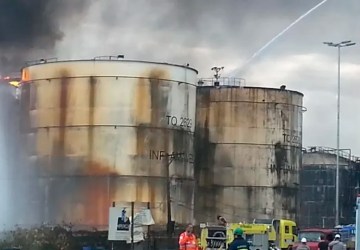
(105, 130)
(317, 187)
(248, 152)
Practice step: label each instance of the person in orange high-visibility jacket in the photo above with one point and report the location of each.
(187, 240)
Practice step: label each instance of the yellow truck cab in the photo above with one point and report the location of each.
(213, 236)
(261, 236)
(219, 237)
(283, 233)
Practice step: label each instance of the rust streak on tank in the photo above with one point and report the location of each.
(99, 192)
(151, 99)
(150, 104)
(63, 102)
(97, 203)
(140, 189)
(158, 97)
(92, 96)
(159, 100)
(89, 199)
(142, 102)
(152, 195)
(280, 158)
(94, 168)
(140, 141)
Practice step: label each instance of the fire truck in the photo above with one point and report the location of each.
(261, 234)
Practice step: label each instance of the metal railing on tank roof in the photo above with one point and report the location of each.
(222, 81)
(109, 58)
(39, 61)
(344, 153)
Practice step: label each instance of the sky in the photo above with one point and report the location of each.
(207, 33)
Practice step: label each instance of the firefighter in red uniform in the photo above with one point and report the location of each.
(187, 240)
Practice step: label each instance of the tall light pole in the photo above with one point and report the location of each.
(338, 46)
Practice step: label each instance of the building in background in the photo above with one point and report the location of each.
(317, 187)
(248, 151)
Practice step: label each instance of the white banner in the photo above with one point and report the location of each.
(120, 224)
(144, 218)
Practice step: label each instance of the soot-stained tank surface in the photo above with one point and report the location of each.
(248, 152)
(103, 130)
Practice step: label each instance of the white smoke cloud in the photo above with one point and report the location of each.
(208, 33)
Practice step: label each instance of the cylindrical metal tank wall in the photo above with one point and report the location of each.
(100, 131)
(318, 188)
(248, 153)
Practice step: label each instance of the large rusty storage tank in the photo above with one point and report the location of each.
(104, 130)
(248, 152)
(318, 187)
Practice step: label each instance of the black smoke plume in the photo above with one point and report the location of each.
(31, 28)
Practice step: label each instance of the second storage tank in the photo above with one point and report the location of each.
(248, 152)
(100, 131)
(318, 187)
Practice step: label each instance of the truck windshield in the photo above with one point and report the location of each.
(310, 236)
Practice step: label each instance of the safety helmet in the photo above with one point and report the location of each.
(303, 240)
(337, 236)
(238, 231)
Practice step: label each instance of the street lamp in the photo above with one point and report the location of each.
(338, 46)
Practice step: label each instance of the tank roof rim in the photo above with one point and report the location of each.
(251, 87)
(108, 60)
(268, 88)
